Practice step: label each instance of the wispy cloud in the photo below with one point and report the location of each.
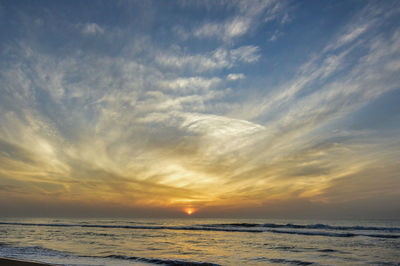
(231, 29)
(191, 84)
(218, 59)
(246, 18)
(141, 119)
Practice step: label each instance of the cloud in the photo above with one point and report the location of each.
(191, 84)
(209, 30)
(277, 34)
(368, 18)
(218, 59)
(92, 29)
(245, 19)
(140, 122)
(233, 76)
(247, 54)
(231, 29)
(362, 184)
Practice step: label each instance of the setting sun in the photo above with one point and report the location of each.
(189, 211)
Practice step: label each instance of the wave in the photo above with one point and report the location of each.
(330, 227)
(93, 234)
(28, 251)
(328, 250)
(282, 261)
(310, 226)
(8, 250)
(190, 228)
(306, 249)
(233, 228)
(331, 234)
(161, 261)
(293, 262)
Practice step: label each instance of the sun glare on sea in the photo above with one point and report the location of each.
(189, 211)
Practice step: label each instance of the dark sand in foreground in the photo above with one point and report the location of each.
(15, 262)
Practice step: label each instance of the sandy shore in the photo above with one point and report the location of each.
(15, 262)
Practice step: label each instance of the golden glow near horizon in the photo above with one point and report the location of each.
(216, 116)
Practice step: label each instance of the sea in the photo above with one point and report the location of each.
(200, 241)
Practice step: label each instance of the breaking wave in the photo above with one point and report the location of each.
(309, 230)
(9, 251)
(311, 226)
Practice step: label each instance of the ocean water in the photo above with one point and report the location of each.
(201, 241)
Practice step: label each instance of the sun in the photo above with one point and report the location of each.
(189, 211)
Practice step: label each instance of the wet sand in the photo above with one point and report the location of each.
(15, 262)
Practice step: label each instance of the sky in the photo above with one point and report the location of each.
(287, 109)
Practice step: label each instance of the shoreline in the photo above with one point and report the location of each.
(18, 262)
